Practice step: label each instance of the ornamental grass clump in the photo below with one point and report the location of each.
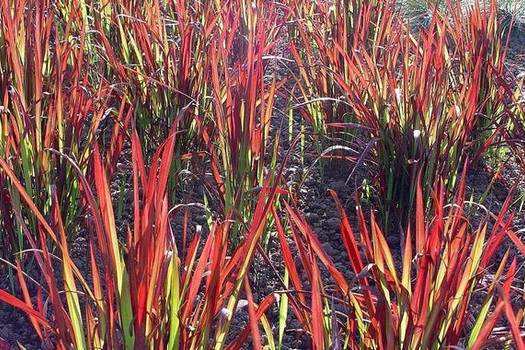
(236, 119)
(50, 99)
(428, 300)
(426, 100)
(321, 34)
(150, 291)
(155, 54)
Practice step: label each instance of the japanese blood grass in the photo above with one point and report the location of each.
(49, 99)
(320, 35)
(212, 55)
(482, 40)
(117, 61)
(428, 99)
(155, 52)
(427, 301)
(515, 135)
(145, 293)
(235, 122)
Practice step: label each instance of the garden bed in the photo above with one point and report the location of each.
(260, 174)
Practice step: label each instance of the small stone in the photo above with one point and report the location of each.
(337, 186)
(328, 248)
(312, 218)
(332, 213)
(314, 205)
(332, 223)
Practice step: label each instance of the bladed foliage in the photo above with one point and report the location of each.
(425, 99)
(110, 111)
(423, 299)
